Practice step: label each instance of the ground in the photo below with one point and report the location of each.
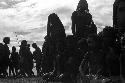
(40, 80)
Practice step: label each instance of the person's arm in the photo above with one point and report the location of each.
(48, 28)
(73, 23)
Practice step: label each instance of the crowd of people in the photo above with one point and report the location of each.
(64, 57)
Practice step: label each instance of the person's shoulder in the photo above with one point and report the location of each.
(74, 13)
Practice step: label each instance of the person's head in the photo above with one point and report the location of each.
(6, 40)
(34, 45)
(23, 43)
(54, 19)
(121, 15)
(82, 6)
(13, 49)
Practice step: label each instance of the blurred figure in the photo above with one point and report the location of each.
(111, 50)
(68, 62)
(47, 64)
(37, 55)
(56, 35)
(2, 66)
(6, 41)
(26, 63)
(119, 21)
(14, 62)
(92, 63)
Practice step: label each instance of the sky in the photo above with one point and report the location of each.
(27, 19)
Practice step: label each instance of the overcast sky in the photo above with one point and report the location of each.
(28, 18)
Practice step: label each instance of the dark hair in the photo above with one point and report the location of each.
(34, 45)
(6, 40)
(14, 48)
(54, 19)
(24, 42)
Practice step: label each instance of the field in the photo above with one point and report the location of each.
(22, 80)
(40, 80)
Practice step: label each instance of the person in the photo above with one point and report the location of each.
(14, 62)
(25, 61)
(56, 35)
(112, 51)
(120, 11)
(6, 41)
(47, 64)
(37, 55)
(2, 67)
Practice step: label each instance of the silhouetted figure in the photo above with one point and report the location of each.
(47, 64)
(2, 66)
(93, 59)
(68, 59)
(119, 21)
(81, 21)
(56, 35)
(26, 63)
(14, 62)
(6, 41)
(112, 51)
(122, 58)
(37, 54)
(30, 60)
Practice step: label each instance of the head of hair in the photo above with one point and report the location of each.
(34, 45)
(54, 19)
(6, 40)
(13, 48)
(23, 43)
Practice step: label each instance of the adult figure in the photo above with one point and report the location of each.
(119, 14)
(25, 61)
(14, 62)
(56, 35)
(111, 50)
(37, 55)
(6, 41)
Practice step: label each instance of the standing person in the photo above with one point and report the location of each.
(25, 61)
(56, 35)
(1, 59)
(14, 62)
(47, 63)
(37, 55)
(119, 15)
(111, 50)
(6, 41)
